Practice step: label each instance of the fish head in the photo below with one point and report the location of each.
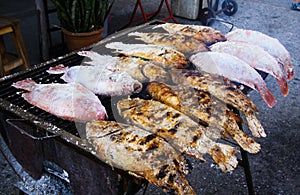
(210, 36)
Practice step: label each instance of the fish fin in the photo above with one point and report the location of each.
(26, 84)
(287, 67)
(138, 34)
(283, 86)
(224, 156)
(266, 94)
(85, 53)
(255, 126)
(59, 69)
(290, 72)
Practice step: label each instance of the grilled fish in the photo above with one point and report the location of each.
(138, 69)
(141, 153)
(234, 69)
(69, 101)
(179, 130)
(205, 34)
(270, 44)
(200, 106)
(222, 89)
(101, 81)
(184, 44)
(256, 57)
(163, 56)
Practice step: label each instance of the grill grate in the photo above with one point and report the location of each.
(39, 75)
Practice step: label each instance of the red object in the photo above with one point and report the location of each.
(146, 16)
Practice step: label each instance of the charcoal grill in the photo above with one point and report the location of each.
(34, 136)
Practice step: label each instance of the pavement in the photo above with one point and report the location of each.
(276, 168)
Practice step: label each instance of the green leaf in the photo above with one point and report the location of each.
(82, 15)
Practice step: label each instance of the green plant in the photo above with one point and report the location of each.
(82, 15)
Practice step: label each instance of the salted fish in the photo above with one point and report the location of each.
(140, 153)
(205, 34)
(184, 44)
(101, 81)
(138, 69)
(164, 56)
(256, 57)
(202, 107)
(70, 101)
(222, 89)
(270, 44)
(178, 129)
(234, 69)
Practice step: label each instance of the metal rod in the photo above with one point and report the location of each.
(247, 171)
(245, 162)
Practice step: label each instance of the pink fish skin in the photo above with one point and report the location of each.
(270, 44)
(69, 101)
(256, 57)
(100, 80)
(234, 69)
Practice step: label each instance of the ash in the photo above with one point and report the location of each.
(54, 181)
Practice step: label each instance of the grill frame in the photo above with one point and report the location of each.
(49, 138)
(64, 139)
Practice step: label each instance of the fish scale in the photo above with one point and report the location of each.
(258, 58)
(222, 89)
(200, 106)
(178, 129)
(141, 153)
(234, 69)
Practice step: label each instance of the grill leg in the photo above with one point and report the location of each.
(247, 171)
(245, 163)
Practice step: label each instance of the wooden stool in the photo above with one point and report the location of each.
(9, 61)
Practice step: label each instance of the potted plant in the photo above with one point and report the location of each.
(82, 21)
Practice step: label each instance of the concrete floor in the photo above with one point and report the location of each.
(275, 170)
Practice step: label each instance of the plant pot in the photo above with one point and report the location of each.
(77, 41)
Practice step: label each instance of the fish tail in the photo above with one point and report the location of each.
(246, 142)
(224, 156)
(266, 94)
(182, 186)
(255, 126)
(290, 71)
(170, 181)
(287, 67)
(283, 86)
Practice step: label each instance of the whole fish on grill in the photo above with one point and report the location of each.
(184, 44)
(177, 129)
(141, 153)
(222, 89)
(202, 107)
(270, 44)
(256, 57)
(101, 81)
(234, 69)
(138, 69)
(205, 34)
(69, 101)
(163, 56)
